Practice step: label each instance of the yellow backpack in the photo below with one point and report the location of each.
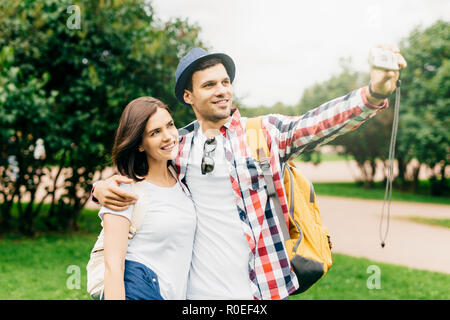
(307, 241)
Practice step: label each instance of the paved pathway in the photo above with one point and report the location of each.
(354, 227)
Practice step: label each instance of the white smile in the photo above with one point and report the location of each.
(169, 146)
(221, 102)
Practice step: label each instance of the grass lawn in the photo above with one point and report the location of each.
(434, 222)
(325, 157)
(347, 280)
(37, 268)
(353, 190)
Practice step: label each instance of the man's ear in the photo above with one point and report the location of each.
(187, 96)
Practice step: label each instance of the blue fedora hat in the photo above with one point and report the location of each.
(189, 61)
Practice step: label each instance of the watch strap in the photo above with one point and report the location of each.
(377, 95)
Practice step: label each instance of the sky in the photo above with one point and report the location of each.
(282, 47)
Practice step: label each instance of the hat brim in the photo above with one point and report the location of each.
(182, 80)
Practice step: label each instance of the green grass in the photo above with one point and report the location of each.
(353, 190)
(36, 268)
(347, 280)
(434, 222)
(324, 157)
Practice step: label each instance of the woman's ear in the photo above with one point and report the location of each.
(141, 149)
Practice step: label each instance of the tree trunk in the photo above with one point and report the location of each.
(402, 172)
(443, 183)
(415, 182)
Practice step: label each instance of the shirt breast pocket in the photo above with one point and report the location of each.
(251, 176)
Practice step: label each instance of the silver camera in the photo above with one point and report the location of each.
(383, 59)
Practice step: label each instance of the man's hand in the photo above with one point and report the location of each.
(384, 81)
(110, 195)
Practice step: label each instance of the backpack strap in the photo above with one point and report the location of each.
(260, 151)
(291, 184)
(256, 139)
(137, 217)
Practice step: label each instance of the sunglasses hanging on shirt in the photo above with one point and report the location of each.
(208, 152)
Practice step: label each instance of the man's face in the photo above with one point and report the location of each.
(212, 94)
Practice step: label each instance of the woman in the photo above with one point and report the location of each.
(154, 265)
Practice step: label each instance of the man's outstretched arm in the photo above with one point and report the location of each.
(295, 135)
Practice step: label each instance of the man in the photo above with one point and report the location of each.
(238, 247)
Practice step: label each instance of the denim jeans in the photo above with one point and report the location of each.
(141, 283)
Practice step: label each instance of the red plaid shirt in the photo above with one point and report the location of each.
(269, 270)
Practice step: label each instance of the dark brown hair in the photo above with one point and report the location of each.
(125, 153)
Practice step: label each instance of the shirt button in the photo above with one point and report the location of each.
(243, 216)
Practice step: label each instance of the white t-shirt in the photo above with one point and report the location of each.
(219, 268)
(164, 241)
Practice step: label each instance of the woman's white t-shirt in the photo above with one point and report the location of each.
(165, 239)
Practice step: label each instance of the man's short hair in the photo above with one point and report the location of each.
(202, 65)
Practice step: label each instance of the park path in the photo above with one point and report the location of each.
(354, 226)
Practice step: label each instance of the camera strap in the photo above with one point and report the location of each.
(388, 189)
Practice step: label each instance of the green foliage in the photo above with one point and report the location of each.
(424, 116)
(25, 116)
(337, 86)
(277, 108)
(118, 51)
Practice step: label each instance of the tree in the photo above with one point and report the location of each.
(98, 55)
(424, 116)
(25, 110)
(277, 108)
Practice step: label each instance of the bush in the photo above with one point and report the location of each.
(97, 57)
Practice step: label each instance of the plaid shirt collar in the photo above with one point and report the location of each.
(188, 132)
(235, 120)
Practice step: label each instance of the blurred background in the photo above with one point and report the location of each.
(67, 70)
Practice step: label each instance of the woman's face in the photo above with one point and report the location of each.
(160, 138)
